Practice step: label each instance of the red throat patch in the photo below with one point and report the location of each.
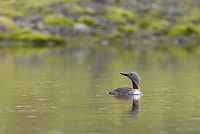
(134, 85)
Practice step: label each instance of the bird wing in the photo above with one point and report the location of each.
(121, 91)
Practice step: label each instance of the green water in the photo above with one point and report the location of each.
(63, 90)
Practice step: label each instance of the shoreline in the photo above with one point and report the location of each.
(60, 21)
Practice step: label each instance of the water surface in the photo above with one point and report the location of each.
(63, 90)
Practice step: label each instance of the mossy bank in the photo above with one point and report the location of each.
(60, 20)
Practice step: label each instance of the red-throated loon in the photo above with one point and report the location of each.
(135, 90)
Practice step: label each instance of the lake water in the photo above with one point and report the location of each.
(62, 90)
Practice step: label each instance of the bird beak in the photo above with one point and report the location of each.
(124, 74)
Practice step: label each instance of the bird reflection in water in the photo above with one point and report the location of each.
(135, 104)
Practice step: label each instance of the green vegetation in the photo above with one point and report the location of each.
(127, 28)
(161, 25)
(120, 15)
(8, 22)
(56, 19)
(180, 30)
(49, 20)
(83, 10)
(91, 21)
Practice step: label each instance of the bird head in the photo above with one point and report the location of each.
(134, 77)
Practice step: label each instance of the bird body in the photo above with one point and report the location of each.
(125, 91)
(135, 90)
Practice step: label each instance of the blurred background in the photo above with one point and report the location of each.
(60, 58)
(56, 21)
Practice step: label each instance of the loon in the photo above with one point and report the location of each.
(135, 90)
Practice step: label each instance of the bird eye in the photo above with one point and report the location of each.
(130, 74)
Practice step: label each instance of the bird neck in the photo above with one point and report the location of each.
(135, 85)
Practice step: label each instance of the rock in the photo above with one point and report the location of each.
(3, 28)
(81, 27)
(180, 41)
(104, 42)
